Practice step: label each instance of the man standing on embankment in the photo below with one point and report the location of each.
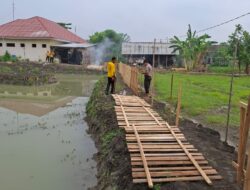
(147, 76)
(111, 76)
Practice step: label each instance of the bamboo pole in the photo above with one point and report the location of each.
(145, 164)
(178, 110)
(230, 95)
(197, 166)
(153, 75)
(171, 87)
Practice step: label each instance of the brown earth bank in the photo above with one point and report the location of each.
(50, 67)
(113, 160)
(32, 73)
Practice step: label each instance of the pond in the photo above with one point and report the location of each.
(49, 150)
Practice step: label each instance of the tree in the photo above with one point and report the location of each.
(192, 49)
(111, 41)
(222, 56)
(246, 51)
(240, 40)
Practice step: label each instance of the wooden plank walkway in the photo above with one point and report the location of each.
(159, 152)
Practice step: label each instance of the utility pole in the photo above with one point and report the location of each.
(13, 9)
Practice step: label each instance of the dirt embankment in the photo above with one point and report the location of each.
(114, 170)
(38, 73)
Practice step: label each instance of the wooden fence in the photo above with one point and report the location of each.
(130, 76)
(243, 175)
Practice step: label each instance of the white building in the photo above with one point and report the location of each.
(32, 38)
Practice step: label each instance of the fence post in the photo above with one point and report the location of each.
(171, 88)
(247, 178)
(178, 109)
(153, 75)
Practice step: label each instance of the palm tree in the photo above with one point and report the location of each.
(192, 49)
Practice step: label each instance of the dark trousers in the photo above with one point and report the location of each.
(147, 81)
(111, 82)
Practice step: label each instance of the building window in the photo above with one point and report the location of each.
(10, 44)
(22, 45)
(34, 45)
(1, 45)
(44, 45)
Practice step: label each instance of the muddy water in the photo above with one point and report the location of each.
(49, 152)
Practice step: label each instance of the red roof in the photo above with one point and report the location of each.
(37, 28)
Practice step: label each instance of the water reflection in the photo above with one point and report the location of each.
(51, 152)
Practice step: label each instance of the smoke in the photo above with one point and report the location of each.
(102, 51)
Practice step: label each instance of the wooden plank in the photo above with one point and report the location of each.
(135, 116)
(145, 164)
(155, 135)
(196, 164)
(170, 158)
(174, 173)
(167, 154)
(138, 122)
(154, 139)
(157, 163)
(180, 168)
(162, 150)
(159, 146)
(132, 119)
(243, 105)
(167, 179)
(244, 140)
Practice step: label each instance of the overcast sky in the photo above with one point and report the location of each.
(142, 20)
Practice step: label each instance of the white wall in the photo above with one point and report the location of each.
(27, 52)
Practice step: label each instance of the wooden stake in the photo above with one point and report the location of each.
(153, 75)
(178, 110)
(145, 164)
(240, 151)
(171, 88)
(247, 179)
(230, 94)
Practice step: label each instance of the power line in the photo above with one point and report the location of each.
(215, 26)
(218, 25)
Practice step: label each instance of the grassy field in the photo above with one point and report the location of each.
(205, 97)
(225, 69)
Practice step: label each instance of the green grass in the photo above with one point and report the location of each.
(205, 97)
(224, 69)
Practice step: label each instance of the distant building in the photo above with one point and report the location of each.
(32, 38)
(136, 52)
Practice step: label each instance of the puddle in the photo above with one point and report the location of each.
(50, 152)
